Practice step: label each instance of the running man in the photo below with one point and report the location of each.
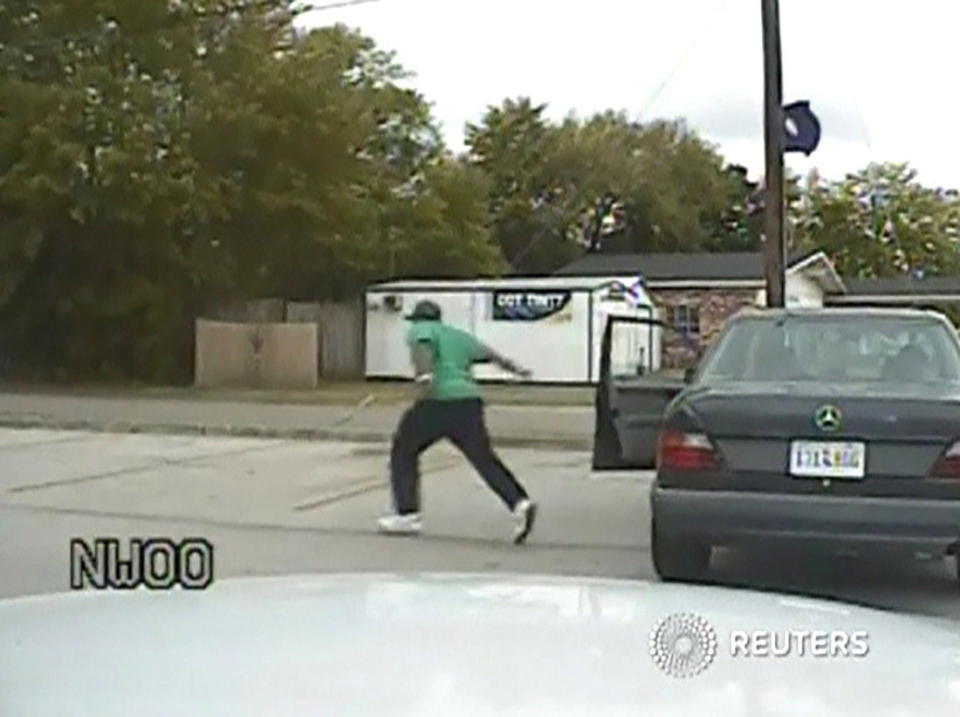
(448, 405)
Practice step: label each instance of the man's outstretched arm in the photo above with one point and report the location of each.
(488, 355)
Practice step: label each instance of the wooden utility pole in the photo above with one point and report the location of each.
(774, 248)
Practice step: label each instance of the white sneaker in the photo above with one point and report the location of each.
(524, 515)
(396, 524)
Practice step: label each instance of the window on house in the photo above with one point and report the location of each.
(685, 318)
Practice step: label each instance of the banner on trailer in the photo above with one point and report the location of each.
(532, 305)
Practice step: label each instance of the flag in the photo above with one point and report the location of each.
(801, 128)
(633, 291)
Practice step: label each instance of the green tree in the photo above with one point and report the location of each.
(325, 159)
(443, 226)
(668, 185)
(740, 227)
(882, 222)
(284, 133)
(601, 183)
(98, 191)
(157, 157)
(511, 146)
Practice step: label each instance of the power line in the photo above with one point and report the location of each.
(332, 6)
(721, 6)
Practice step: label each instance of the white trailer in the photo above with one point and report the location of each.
(553, 326)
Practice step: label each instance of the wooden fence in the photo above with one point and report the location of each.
(341, 329)
(340, 346)
(256, 355)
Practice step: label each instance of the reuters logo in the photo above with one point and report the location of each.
(683, 644)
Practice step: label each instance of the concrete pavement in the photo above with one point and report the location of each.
(275, 507)
(511, 392)
(565, 426)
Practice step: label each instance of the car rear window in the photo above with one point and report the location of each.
(839, 348)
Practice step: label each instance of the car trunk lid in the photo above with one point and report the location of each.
(905, 428)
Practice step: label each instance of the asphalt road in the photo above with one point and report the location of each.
(562, 426)
(283, 506)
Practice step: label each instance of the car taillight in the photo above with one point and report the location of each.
(949, 464)
(685, 451)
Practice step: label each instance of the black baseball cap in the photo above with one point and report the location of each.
(425, 311)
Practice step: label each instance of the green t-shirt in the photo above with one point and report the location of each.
(454, 353)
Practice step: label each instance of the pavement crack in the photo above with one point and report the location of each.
(364, 485)
(45, 442)
(368, 486)
(500, 543)
(133, 470)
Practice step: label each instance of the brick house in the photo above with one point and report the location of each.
(697, 292)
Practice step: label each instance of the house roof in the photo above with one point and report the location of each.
(685, 266)
(901, 290)
(576, 283)
(896, 312)
(904, 286)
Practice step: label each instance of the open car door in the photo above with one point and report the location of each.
(633, 392)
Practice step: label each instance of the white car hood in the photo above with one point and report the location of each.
(371, 644)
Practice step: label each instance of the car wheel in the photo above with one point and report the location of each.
(678, 558)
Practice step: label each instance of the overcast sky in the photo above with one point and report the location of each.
(882, 76)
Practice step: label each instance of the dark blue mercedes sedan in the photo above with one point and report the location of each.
(835, 428)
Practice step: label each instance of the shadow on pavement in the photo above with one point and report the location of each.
(901, 583)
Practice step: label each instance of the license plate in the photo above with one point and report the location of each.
(820, 459)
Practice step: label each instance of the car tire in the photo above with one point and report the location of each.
(679, 558)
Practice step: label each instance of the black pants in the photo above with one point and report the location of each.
(460, 421)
